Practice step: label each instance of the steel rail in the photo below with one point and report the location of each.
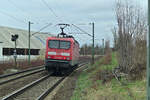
(30, 69)
(28, 74)
(44, 94)
(21, 90)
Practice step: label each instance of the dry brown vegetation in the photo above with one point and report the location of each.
(108, 55)
(130, 38)
(20, 65)
(23, 64)
(103, 74)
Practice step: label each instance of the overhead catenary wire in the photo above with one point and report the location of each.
(84, 32)
(76, 29)
(17, 7)
(76, 33)
(81, 30)
(28, 16)
(11, 16)
(51, 10)
(42, 29)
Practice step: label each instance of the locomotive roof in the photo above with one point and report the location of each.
(62, 38)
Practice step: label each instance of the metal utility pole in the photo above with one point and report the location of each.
(1, 51)
(93, 51)
(15, 54)
(103, 46)
(148, 54)
(29, 43)
(14, 38)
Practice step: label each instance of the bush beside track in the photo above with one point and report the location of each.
(98, 83)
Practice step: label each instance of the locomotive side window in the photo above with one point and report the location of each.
(64, 44)
(57, 44)
(53, 44)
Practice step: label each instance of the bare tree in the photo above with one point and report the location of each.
(129, 35)
(114, 32)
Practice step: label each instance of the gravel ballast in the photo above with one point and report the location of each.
(5, 89)
(35, 91)
(66, 89)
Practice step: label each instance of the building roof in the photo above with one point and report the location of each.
(37, 41)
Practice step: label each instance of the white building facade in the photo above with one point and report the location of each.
(37, 43)
(1, 51)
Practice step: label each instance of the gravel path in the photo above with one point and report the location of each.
(5, 89)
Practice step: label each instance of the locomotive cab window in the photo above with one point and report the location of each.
(64, 44)
(57, 44)
(53, 44)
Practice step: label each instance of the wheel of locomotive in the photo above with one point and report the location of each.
(46, 68)
(57, 71)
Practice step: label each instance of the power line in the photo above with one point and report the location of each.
(22, 10)
(42, 28)
(76, 33)
(81, 30)
(84, 32)
(51, 10)
(11, 2)
(17, 7)
(19, 20)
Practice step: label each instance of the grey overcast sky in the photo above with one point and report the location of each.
(17, 13)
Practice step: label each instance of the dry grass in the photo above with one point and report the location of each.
(114, 91)
(90, 85)
(107, 59)
(20, 65)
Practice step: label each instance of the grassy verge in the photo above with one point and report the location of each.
(90, 86)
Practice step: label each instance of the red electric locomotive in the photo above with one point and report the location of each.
(61, 53)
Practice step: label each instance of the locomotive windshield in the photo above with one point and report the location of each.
(58, 44)
(53, 44)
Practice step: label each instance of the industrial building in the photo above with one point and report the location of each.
(37, 43)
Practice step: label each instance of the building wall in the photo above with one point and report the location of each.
(1, 50)
(5, 59)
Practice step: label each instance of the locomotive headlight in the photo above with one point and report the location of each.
(49, 57)
(67, 58)
(65, 54)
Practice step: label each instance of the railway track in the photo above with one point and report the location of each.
(38, 89)
(11, 83)
(49, 90)
(11, 77)
(30, 69)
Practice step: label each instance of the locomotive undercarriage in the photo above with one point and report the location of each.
(57, 66)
